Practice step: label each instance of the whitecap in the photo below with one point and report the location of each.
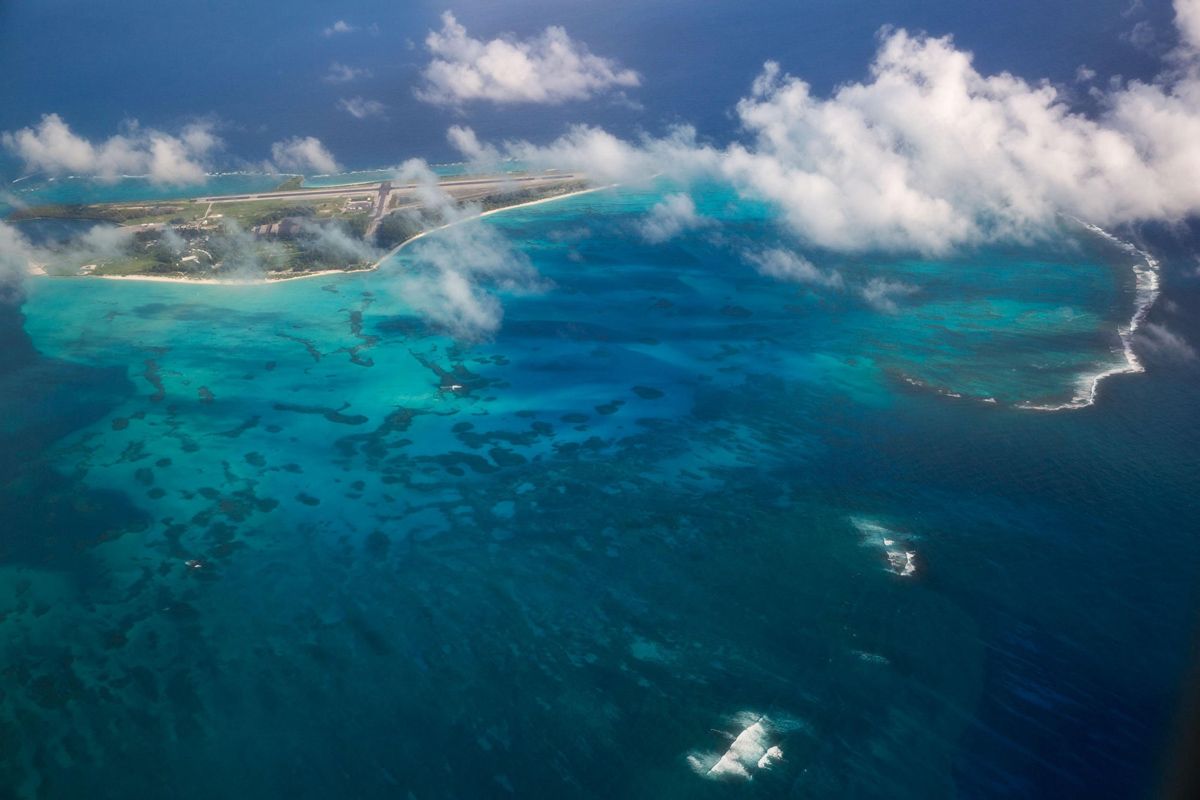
(751, 750)
(899, 556)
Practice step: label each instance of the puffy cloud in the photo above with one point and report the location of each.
(361, 108)
(52, 147)
(454, 274)
(1187, 21)
(551, 68)
(928, 154)
(786, 265)
(302, 154)
(676, 214)
(881, 293)
(341, 73)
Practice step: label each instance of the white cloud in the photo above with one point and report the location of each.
(361, 108)
(341, 73)
(608, 159)
(466, 142)
(676, 214)
(881, 293)
(341, 26)
(305, 155)
(551, 68)
(1187, 22)
(455, 274)
(52, 147)
(334, 241)
(16, 259)
(928, 154)
(785, 265)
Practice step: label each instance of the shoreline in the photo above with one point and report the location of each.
(388, 255)
(326, 272)
(1147, 288)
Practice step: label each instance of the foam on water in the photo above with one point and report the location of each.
(900, 559)
(751, 750)
(1146, 271)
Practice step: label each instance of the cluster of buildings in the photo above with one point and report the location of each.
(286, 227)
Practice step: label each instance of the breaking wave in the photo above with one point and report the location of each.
(897, 550)
(1146, 276)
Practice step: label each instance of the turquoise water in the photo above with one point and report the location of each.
(289, 540)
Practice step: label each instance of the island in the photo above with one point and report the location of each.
(289, 232)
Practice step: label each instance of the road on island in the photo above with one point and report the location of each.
(385, 191)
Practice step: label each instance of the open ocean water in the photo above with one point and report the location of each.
(290, 541)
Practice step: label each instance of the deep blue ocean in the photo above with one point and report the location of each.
(292, 540)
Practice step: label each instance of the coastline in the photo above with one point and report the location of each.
(480, 215)
(327, 272)
(1146, 291)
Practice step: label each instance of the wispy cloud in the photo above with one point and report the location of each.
(361, 108)
(342, 73)
(551, 68)
(785, 265)
(241, 255)
(52, 147)
(334, 242)
(454, 276)
(16, 259)
(1163, 343)
(881, 294)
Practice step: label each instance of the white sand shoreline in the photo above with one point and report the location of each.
(41, 273)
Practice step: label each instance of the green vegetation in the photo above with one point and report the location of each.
(249, 213)
(123, 213)
(291, 184)
(241, 237)
(506, 199)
